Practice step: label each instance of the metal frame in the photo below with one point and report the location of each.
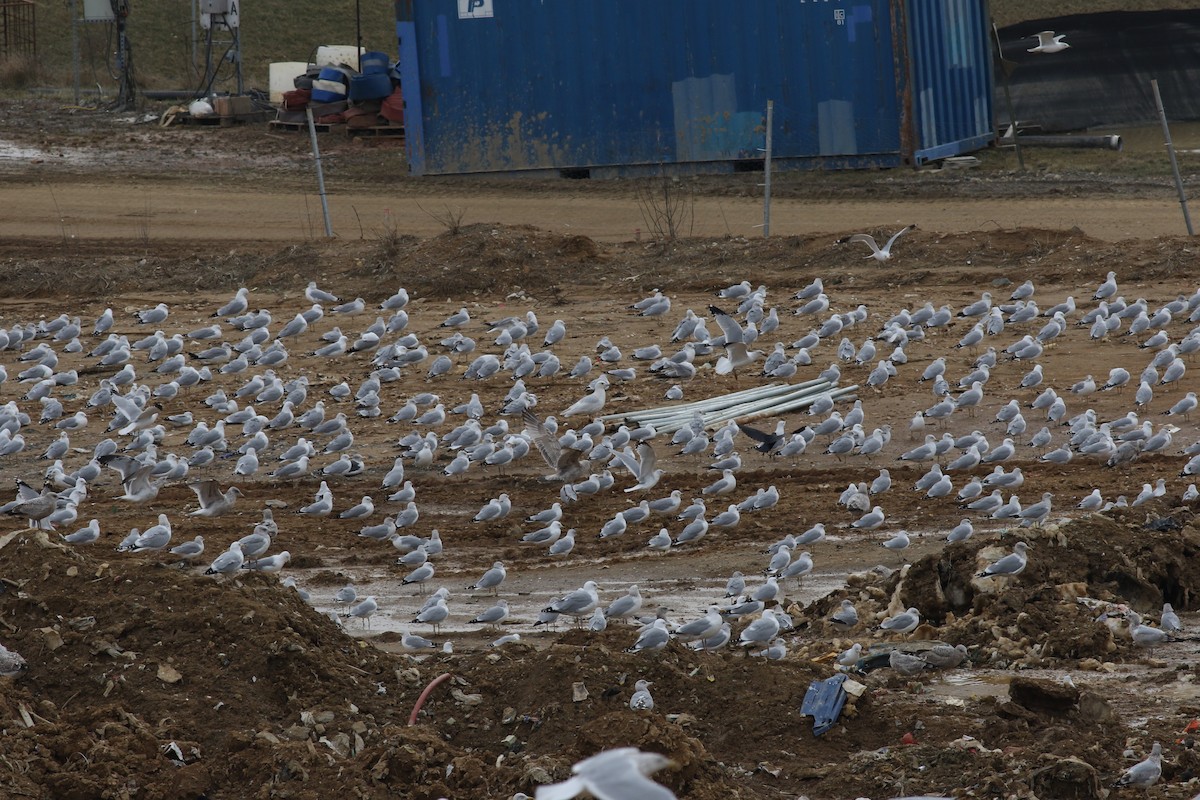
(18, 31)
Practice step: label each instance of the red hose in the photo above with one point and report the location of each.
(412, 718)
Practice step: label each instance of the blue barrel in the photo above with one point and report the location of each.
(374, 86)
(330, 85)
(373, 62)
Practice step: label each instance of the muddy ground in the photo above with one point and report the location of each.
(147, 680)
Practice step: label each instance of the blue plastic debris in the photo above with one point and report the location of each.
(823, 702)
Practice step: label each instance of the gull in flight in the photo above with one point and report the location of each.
(1048, 42)
(618, 774)
(642, 467)
(565, 462)
(878, 253)
(736, 354)
(213, 502)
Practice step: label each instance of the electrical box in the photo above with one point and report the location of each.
(97, 11)
(214, 6)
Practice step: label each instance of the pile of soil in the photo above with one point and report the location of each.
(148, 681)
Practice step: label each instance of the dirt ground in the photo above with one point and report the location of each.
(147, 680)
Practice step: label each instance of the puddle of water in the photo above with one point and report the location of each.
(10, 151)
(528, 592)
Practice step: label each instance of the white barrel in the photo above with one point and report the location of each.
(334, 54)
(282, 77)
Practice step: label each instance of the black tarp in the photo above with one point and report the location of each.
(1104, 77)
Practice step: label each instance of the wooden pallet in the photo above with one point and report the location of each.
(224, 122)
(280, 125)
(380, 131)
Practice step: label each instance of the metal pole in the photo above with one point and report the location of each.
(1004, 68)
(1013, 120)
(75, 49)
(312, 135)
(1162, 116)
(767, 172)
(358, 30)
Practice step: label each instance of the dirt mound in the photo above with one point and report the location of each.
(521, 260)
(1049, 607)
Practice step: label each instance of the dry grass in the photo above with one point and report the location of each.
(162, 38)
(17, 72)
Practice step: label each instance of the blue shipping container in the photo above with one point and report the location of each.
(608, 87)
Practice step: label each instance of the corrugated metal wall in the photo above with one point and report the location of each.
(951, 64)
(511, 85)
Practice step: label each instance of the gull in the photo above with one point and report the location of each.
(1183, 407)
(1144, 635)
(618, 774)
(598, 623)
(761, 630)
(626, 605)
(961, 532)
(898, 542)
(1169, 619)
(578, 603)
(906, 663)
(189, 550)
(592, 403)
(869, 521)
(563, 546)
(1145, 773)
(546, 535)
(1048, 42)
(850, 656)
(1117, 377)
(153, 316)
(1012, 564)
(701, 628)
(492, 615)
(228, 562)
(316, 295)
(878, 253)
(33, 505)
(213, 502)
(801, 566)
(1036, 513)
(347, 594)
(723, 485)
(641, 699)
(905, 622)
(653, 637)
(496, 508)
(363, 610)
(736, 354)
(273, 563)
(813, 535)
(13, 664)
(419, 575)
(643, 466)
(364, 508)
(85, 535)
(492, 578)
(846, 616)
(415, 557)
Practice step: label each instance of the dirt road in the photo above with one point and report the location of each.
(196, 208)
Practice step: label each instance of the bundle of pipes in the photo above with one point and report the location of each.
(743, 406)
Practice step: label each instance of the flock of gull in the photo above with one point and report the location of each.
(231, 408)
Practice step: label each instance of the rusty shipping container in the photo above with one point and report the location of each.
(610, 87)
